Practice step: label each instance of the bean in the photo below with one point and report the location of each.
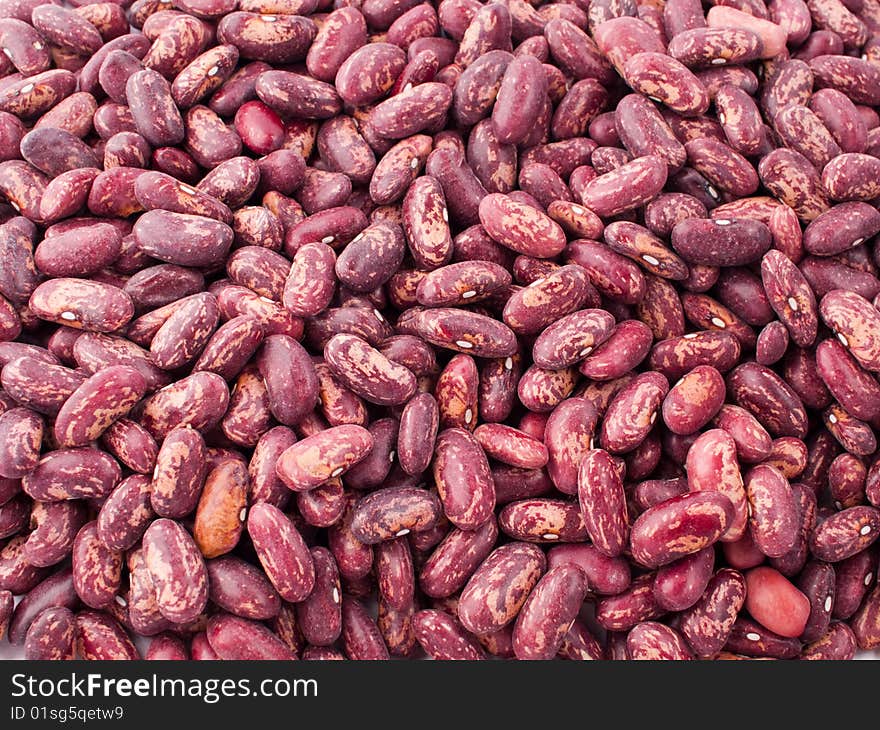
(680, 526)
(775, 603)
(177, 570)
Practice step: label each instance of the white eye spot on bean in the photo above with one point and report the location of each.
(537, 281)
(329, 239)
(843, 340)
(719, 323)
(7, 53)
(722, 119)
(718, 61)
(267, 300)
(723, 222)
(464, 344)
(336, 472)
(213, 70)
(268, 18)
(242, 515)
(827, 605)
(401, 533)
(792, 303)
(648, 259)
(577, 210)
(121, 601)
(690, 335)
(468, 294)
(391, 455)
(549, 536)
(752, 636)
(445, 215)
(68, 316)
(335, 594)
(654, 98)
(15, 205)
(586, 351)
(838, 505)
(865, 530)
(867, 580)
(856, 242)
(653, 416)
(468, 416)
(832, 418)
(156, 473)
(508, 363)
(38, 46)
(26, 89)
(713, 193)
(413, 163)
(378, 315)
(187, 189)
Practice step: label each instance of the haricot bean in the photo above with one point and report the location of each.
(398, 329)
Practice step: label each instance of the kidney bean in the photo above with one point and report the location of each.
(320, 616)
(838, 643)
(543, 520)
(367, 372)
(603, 502)
(51, 635)
(394, 512)
(625, 610)
(772, 510)
(97, 569)
(282, 552)
(235, 638)
(498, 589)
(650, 640)
(322, 456)
(775, 603)
(680, 585)
(632, 412)
(706, 626)
(852, 317)
(817, 583)
(697, 520)
(844, 534)
(100, 637)
(178, 478)
(548, 613)
(221, 510)
(360, 635)
(692, 402)
(177, 570)
(568, 437)
(769, 399)
(126, 513)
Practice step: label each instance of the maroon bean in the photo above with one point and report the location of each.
(603, 502)
(282, 552)
(360, 635)
(707, 625)
(177, 570)
(235, 638)
(498, 589)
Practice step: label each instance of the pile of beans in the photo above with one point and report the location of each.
(384, 328)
